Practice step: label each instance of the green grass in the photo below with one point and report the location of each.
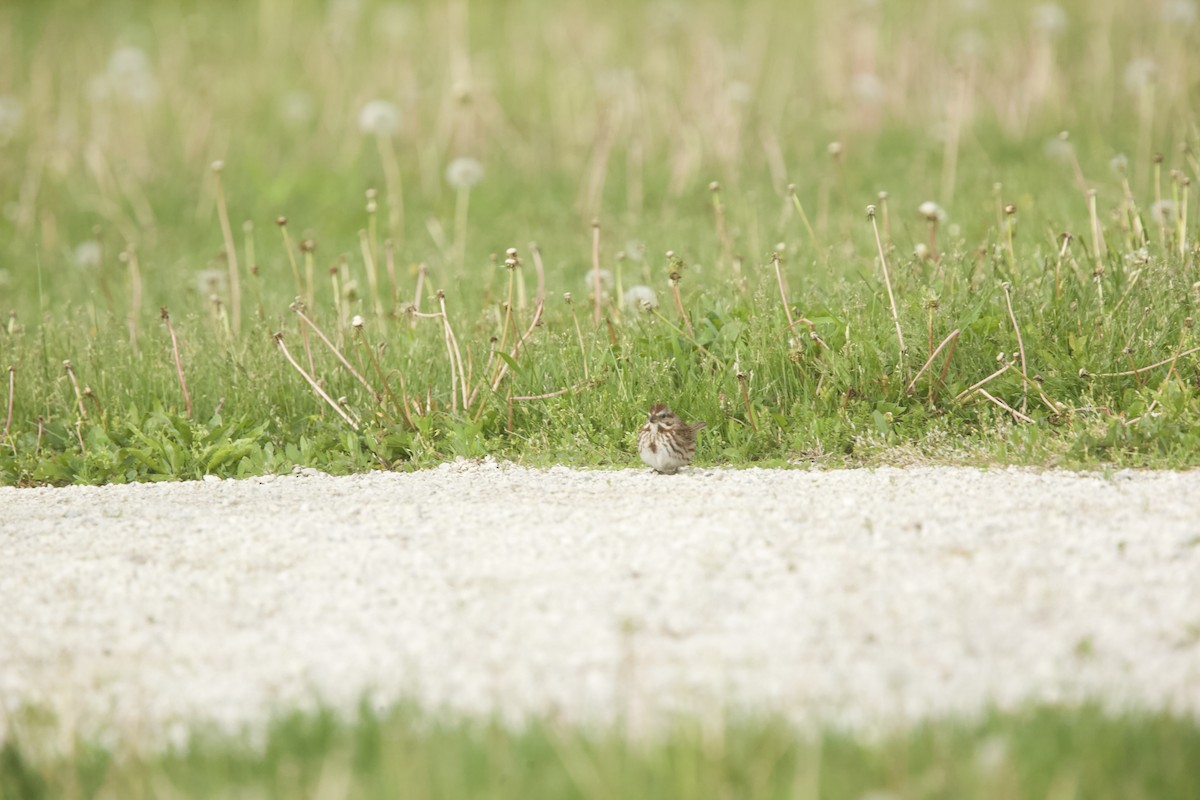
(1043, 752)
(621, 112)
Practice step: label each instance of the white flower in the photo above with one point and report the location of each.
(640, 298)
(1182, 12)
(606, 280)
(868, 88)
(356, 321)
(1057, 148)
(1050, 19)
(12, 114)
(921, 251)
(1164, 212)
(739, 93)
(463, 173)
(932, 211)
(991, 754)
(970, 44)
(211, 282)
(379, 117)
(296, 108)
(1119, 164)
(130, 77)
(1140, 74)
(393, 21)
(87, 254)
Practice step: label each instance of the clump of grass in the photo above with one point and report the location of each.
(1092, 296)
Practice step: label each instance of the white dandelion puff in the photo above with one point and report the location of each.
(640, 298)
(1139, 74)
(379, 117)
(130, 77)
(12, 115)
(1050, 19)
(739, 93)
(211, 282)
(87, 254)
(1164, 212)
(463, 173)
(1058, 148)
(606, 280)
(1179, 12)
(931, 211)
(868, 88)
(296, 108)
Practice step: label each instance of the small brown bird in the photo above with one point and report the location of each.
(666, 442)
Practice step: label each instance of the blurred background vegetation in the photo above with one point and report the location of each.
(1003, 116)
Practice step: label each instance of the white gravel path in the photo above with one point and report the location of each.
(858, 596)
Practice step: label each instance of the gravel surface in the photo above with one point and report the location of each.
(860, 596)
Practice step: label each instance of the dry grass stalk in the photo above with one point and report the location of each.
(187, 398)
(75, 384)
(313, 383)
(887, 280)
(235, 291)
(950, 339)
(1020, 346)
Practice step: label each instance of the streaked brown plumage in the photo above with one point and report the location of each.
(666, 442)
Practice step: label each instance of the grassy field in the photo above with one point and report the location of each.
(1038, 753)
(1024, 291)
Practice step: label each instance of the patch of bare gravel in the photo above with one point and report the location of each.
(858, 596)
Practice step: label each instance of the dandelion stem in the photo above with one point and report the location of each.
(596, 290)
(12, 387)
(311, 382)
(1020, 347)
(235, 291)
(321, 334)
(948, 340)
(187, 398)
(78, 395)
(887, 280)
(372, 278)
(777, 262)
(291, 254)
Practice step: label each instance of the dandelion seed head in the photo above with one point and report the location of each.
(868, 88)
(1057, 148)
(394, 21)
(463, 173)
(1179, 12)
(739, 93)
(931, 211)
(606, 280)
(1119, 164)
(12, 116)
(129, 76)
(1049, 19)
(87, 254)
(296, 108)
(1164, 212)
(970, 44)
(211, 282)
(379, 118)
(640, 298)
(1140, 74)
